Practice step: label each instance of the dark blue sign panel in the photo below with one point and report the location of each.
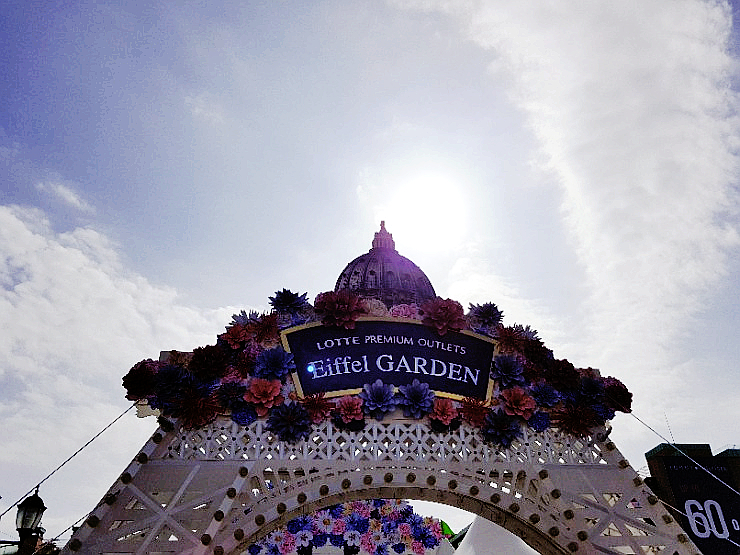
(711, 509)
(339, 361)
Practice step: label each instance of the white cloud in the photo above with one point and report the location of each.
(74, 321)
(66, 194)
(205, 109)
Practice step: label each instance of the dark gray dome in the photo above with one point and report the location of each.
(384, 274)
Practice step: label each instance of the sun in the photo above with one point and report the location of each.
(427, 210)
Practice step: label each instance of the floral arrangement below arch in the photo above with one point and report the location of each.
(377, 527)
(247, 375)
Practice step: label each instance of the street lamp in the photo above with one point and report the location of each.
(27, 523)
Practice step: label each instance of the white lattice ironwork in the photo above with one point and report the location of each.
(219, 488)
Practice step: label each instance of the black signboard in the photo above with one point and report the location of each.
(711, 509)
(339, 361)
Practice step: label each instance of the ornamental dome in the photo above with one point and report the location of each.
(384, 274)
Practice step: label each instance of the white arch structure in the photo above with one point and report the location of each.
(220, 488)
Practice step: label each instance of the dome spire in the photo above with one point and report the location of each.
(383, 239)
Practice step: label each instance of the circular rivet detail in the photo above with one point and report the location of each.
(301, 498)
(324, 490)
(534, 518)
(555, 494)
(610, 446)
(495, 498)
(582, 535)
(623, 464)
(637, 481)
(682, 538)
(109, 499)
(218, 515)
(431, 480)
(142, 458)
(554, 531)
(75, 544)
(281, 508)
(125, 477)
(157, 438)
(367, 480)
(238, 534)
(452, 484)
(572, 547)
(667, 519)
(205, 539)
(259, 520)
(514, 507)
(243, 471)
(346, 484)
(543, 474)
(521, 475)
(93, 521)
(218, 550)
(388, 478)
(652, 499)
(569, 514)
(411, 477)
(231, 493)
(474, 490)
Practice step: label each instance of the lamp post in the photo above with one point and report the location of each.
(27, 523)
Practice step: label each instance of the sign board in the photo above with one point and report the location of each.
(339, 362)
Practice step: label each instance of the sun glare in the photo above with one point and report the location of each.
(428, 211)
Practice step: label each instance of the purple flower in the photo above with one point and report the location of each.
(501, 429)
(288, 302)
(243, 413)
(357, 523)
(508, 370)
(273, 364)
(289, 422)
(399, 547)
(230, 394)
(378, 399)
(545, 395)
(591, 388)
(485, 316)
(416, 399)
(539, 422)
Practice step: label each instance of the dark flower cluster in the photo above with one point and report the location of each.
(247, 375)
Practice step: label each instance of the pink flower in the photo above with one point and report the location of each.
(444, 410)
(350, 408)
(404, 529)
(235, 336)
(443, 315)
(264, 394)
(518, 403)
(361, 508)
(367, 543)
(339, 308)
(288, 544)
(339, 526)
(417, 547)
(406, 311)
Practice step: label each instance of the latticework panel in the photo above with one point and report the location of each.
(219, 488)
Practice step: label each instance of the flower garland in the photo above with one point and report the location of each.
(377, 527)
(247, 375)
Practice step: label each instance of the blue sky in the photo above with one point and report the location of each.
(164, 165)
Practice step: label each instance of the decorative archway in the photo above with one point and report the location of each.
(220, 488)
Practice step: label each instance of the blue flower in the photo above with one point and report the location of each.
(416, 399)
(243, 318)
(357, 523)
(545, 395)
(319, 539)
(288, 302)
(230, 394)
(337, 540)
(508, 370)
(591, 388)
(273, 364)
(428, 538)
(378, 399)
(243, 413)
(381, 549)
(501, 429)
(289, 422)
(399, 547)
(539, 421)
(254, 549)
(485, 316)
(389, 527)
(605, 412)
(336, 511)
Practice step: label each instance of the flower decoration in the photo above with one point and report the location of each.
(243, 318)
(563, 376)
(231, 394)
(378, 399)
(443, 315)
(264, 330)
(444, 411)
(243, 413)
(209, 362)
(339, 308)
(410, 311)
(518, 403)
(273, 364)
(349, 414)
(416, 399)
(289, 422)
(616, 395)
(319, 408)
(501, 429)
(236, 336)
(485, 316)
(508, 370)
(576, 419)
(264, 394)
(474, 411)
(140, 380)
(539, 421)
(286, 301)
(545, 395)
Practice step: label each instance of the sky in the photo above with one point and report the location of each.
(164, 165)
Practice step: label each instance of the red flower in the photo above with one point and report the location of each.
(474, 411)
(443, 315)
(444, 410)
(264, 394)
(264, 330)
(518, 403)
(235, 336)
(317, 407)
(350, 408)
(576, 420)
(340, 308)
